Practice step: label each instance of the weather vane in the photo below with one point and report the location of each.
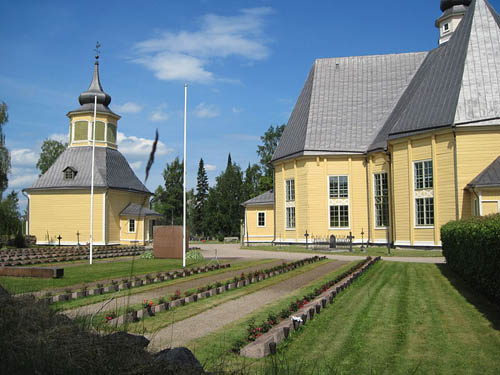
(97, 52)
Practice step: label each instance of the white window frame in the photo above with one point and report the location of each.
(344, 201)
(130, 221)
(288, 191)
(446, 30)
(258, 217)
(287, 218)
(73, 124)
(66, 174)
(375, 201)
(423, 193)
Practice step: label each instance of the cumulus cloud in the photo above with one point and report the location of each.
(23, 157)
(63, 138)
(186, 55)
(22, 181)
(136, 165)
(237, 110)
(204, 110)
(210, 167)
(129, 107)
(139, 147)
(159, 116)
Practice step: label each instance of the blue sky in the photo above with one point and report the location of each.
(245, 63)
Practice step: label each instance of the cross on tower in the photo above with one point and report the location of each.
(97, 51)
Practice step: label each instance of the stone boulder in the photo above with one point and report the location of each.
(124, 337)
(180, 361)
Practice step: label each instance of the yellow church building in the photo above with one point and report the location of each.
(59, 201)
(391, 147)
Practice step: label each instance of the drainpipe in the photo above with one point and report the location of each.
(28, 213)
(368, 200)
(274, 204)
(390, 236)
(455, 169)
(478, 201)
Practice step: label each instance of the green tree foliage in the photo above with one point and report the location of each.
(50, 151)
(253, 177)
(270, 141)
(4, 152)
(200, 200)
(169, 199)
(10, 222)
(224, 210)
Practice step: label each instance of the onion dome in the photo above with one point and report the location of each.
(87, 98)
(447, 4)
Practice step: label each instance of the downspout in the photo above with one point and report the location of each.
(455, 168)
(368, 200)
(28, 213)
(479, 203)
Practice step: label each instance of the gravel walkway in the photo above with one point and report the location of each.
(162, 292)
(231, 250)
(180, 333)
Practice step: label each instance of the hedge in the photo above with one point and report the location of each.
(472, 249)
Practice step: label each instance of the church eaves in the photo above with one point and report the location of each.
(112, 171)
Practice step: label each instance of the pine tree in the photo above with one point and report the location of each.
(170, 199)
(200, 200)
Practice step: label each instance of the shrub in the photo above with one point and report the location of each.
(472, 249)
(19, 240)
(194, 255)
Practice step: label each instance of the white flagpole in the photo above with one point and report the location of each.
(92, 184)
(184, 181)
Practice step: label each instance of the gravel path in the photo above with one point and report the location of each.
(231, 250)
(180, 333)
(162, 292)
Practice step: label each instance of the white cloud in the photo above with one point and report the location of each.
(23, 157)
(23, 181)
(186, 55)
(159, 116)
(129, 107)
(63, 138)
(237, 110)
(140, 147)
(203, 110)
(136, 165)
(210, 167)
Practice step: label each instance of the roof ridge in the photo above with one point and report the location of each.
(372, 56)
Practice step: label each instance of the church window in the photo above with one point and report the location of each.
(69, 174)
(81, 131)
(111, 133)
(131, 226)
(424, 193)
(290, 190)
(446, 27)
(290, 218)
(339, 187)
(338, 193)
(261, 219)
(99, 131)
(381, 192)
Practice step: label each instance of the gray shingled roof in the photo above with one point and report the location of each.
(264, 199)
(134, 209)
(345, 102)
(355, 104)
(111, 171)
(490, 177)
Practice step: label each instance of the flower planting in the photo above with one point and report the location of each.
(189, 296)
(305, 308)
(128, 284)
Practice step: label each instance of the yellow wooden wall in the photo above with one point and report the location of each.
(54, 213)
(256, 233)
(117, 200)
(477, 147)
(311, 196)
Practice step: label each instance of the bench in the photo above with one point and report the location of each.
(231, 239)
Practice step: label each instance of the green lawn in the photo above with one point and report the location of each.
(399, 318)
(86, 273)
(372, 251)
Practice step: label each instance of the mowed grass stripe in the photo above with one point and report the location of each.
(398, 319)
